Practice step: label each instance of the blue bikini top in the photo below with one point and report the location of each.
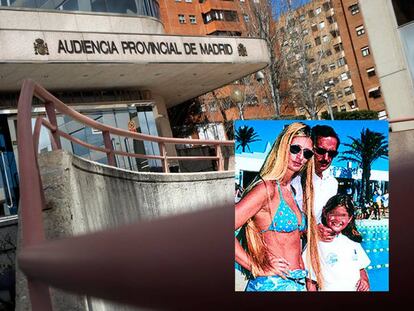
(285, 219)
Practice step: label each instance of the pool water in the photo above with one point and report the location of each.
(375, 241)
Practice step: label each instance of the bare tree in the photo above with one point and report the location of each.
(231, 102)
(303, 71)
(309, 58)
(261, 24)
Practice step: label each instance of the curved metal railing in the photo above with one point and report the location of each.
(31, 258)
(53, 105)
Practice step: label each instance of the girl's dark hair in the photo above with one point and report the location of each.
(343, 200)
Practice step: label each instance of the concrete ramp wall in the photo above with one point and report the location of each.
(83, 196)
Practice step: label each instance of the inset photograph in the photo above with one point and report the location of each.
(311, 206)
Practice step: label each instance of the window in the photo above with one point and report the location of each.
(246, 18)
(188, 1)
(252, 99)
(353, 104)
(181, 18)
(193, 19)
(326, 6)
(324, 68)
(332, 66)
(230, 16)
(360, 30)
(339, 94)
(344, 76)
(325, 39)
(341, 62)
(321, 25)
(349, 90)
(334, 33)
(354, 9)
(338, 47)
(70, 5)
(374, 92)
(311, 14)
(302, 17)
(314, 27)
(365, 51)
(318, 11)
(213, 131)
(308, 46)
(318, 40)
(328, 52)
(305, 31)
(331, 19)
(371, 72)
(342, 108)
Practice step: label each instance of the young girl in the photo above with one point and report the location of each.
(342, 261)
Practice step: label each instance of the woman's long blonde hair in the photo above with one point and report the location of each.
(274, 168)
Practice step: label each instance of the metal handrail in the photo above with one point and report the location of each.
(32, 200)
(398, 120)
(52, 104)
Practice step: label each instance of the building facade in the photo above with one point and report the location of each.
(202, 17)
(329, 40)
(391, 27)
(112, 61)
(217, 109)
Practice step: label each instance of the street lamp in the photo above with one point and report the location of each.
(260, 77)
(237, 97)
(325, 94)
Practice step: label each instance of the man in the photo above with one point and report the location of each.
(325, 146)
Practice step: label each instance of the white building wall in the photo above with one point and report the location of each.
(390, 59)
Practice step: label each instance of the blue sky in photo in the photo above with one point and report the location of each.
(280, 6)
(268, 130)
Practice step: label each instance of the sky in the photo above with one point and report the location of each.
(268, 130)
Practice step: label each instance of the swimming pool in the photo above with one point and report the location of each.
(375, 241)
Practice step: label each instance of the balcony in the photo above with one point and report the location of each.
(208, 5)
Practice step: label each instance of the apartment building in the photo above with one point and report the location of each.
(202, 17)
(218, 18)
(337, 54)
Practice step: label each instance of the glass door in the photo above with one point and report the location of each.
(9, 180)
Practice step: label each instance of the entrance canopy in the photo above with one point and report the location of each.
(175, 67)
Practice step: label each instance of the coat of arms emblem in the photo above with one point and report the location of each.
(40, 47)
(242, 50)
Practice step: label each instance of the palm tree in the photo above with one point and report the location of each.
(364, 151)
(244, 136)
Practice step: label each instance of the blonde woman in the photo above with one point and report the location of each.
(274, 222)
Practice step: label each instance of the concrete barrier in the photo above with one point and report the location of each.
(83, 196)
